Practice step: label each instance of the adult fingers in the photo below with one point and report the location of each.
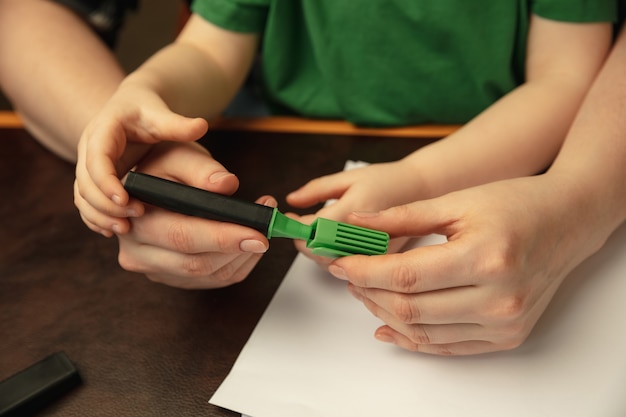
(163, 244)
(453, 338)
(453, 305)
(190, 252)
(234, 272)
(184, 270)
(467, 347)
(410, 220)
(421, 269)
(193, 235)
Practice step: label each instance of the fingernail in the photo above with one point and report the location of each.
(270, 202)
(253, 246)
(132, 213)
(217, 176)
(116, 228)
(116, 199)
(366, 214)
(384, 337)
(338, 272)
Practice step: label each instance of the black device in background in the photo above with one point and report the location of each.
(28, 391)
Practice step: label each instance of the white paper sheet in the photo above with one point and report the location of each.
(313, 354)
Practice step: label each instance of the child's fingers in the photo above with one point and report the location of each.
(319, 190)
(94, 228)
(86, 193)
(106, 145)
(99, 194)
(100, 203)
(102, 150)
(106, 191)
(102, 224)
(169, 126)
(98, 221)
(339, 209)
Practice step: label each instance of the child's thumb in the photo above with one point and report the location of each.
(169, 126)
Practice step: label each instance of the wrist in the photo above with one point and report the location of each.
(428, 175)
(414, 184)
(586, 207)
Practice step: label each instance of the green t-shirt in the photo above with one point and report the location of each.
(392, 63)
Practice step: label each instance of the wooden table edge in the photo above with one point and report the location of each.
(283, 124)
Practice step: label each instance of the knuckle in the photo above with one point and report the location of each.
(444, 350)
(404, 310)
(501, 261)
(412, 347)
(512, 326)
(226, 275)
(419, 335)
(509, 309)
(401, 211)
(197, 266)
(179, 237)
(405, 278)
(225, 242)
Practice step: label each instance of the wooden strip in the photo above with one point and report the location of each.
(334, 127)
(10, 120)
(281, 124)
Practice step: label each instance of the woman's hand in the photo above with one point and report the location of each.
(509, 247)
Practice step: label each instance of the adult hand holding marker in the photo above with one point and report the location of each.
(324, 237)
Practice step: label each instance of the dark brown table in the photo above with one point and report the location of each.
(143, 349)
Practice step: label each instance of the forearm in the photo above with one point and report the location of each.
(199, 74)
(592, 162)
(517, 136)
(522, 132)
(55, 71)
(198, 88)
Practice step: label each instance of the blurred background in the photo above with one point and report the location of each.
(145, 31)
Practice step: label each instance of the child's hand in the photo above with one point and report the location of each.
(371, 188)
(108, 149)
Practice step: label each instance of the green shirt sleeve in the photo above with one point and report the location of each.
(246, 16)
(577, 11)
